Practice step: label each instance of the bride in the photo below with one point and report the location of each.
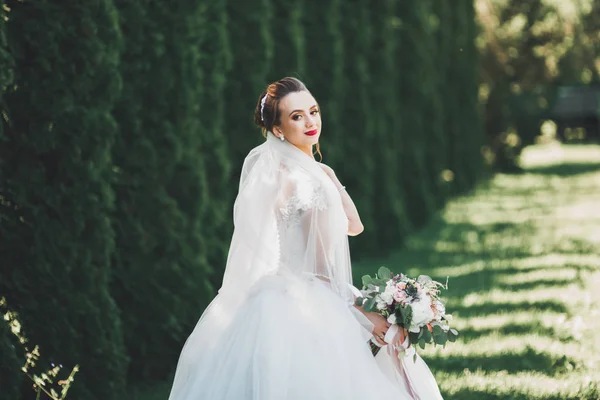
(283, 325)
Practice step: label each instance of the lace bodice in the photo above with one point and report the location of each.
(300, 196)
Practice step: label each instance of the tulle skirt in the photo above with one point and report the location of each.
(292, 339)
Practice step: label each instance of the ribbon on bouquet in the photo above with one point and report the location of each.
(392, 337)
(397, 352)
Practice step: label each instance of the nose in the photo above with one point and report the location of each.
(310, 121)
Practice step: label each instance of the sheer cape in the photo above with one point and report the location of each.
(279, 185)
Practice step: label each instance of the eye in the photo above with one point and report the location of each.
(314, 112)
(296, 117)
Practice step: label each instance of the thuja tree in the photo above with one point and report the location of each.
(359, 111)
(389, 197)
(468, 134)
(55, 174)
(10, 374)
(160, 278)
(414, 129)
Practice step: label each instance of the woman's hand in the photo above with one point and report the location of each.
(380, 327)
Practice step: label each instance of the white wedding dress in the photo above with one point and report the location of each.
(282, 326)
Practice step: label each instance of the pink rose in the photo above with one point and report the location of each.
(399, 296)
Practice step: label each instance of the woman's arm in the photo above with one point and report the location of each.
(355, 226)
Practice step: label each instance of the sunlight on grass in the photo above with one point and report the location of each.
(521, 257)
(523, 318)
(556, 153)
(567, 294)
(496, 344)
(524, 385)
(562, 275)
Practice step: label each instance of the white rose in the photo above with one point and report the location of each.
(388, 295)
(380, 304)
(421, 313)
(392, 319)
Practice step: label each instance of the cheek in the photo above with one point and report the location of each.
(298, 125)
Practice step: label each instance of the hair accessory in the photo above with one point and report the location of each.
(262, 107)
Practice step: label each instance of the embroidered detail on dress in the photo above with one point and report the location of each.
(307, 194)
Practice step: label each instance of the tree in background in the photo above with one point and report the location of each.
(55, 186)
(10, 374)
(160, 271)
(526, 49)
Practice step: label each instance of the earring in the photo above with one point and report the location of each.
(282, 138)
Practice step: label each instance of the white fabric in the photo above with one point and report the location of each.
(413, 376)
(281, 327)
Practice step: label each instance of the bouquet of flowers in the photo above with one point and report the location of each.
(412, 304)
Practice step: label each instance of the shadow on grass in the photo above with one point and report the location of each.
(470, 334)
(537, 284)
(565, 169)
(488, 279)
(512, 362)
(493, 308)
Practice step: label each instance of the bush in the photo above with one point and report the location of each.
(55, 182)
(160, 272)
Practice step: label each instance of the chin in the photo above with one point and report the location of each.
(313, 139)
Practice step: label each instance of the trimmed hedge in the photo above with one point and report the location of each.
(160, 271)
(55, 178)
(10, 374)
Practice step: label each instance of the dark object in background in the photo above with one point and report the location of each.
(577, 107)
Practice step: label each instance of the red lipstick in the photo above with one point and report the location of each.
(311, 133)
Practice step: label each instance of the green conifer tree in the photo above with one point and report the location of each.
(55, 173)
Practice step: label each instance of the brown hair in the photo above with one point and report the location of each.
(268, 116)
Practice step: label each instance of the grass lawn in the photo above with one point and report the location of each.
(521, 254)
(522, 258)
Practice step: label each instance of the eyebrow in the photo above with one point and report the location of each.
(301, 110)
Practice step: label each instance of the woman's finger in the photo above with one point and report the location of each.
(387, 324)
(380, 341)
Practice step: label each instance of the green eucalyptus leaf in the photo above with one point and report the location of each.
(384, 273)
(440, 339)
(372, 287)
(370, 305)
(366, 279)
(406, 315)
(427, 335)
